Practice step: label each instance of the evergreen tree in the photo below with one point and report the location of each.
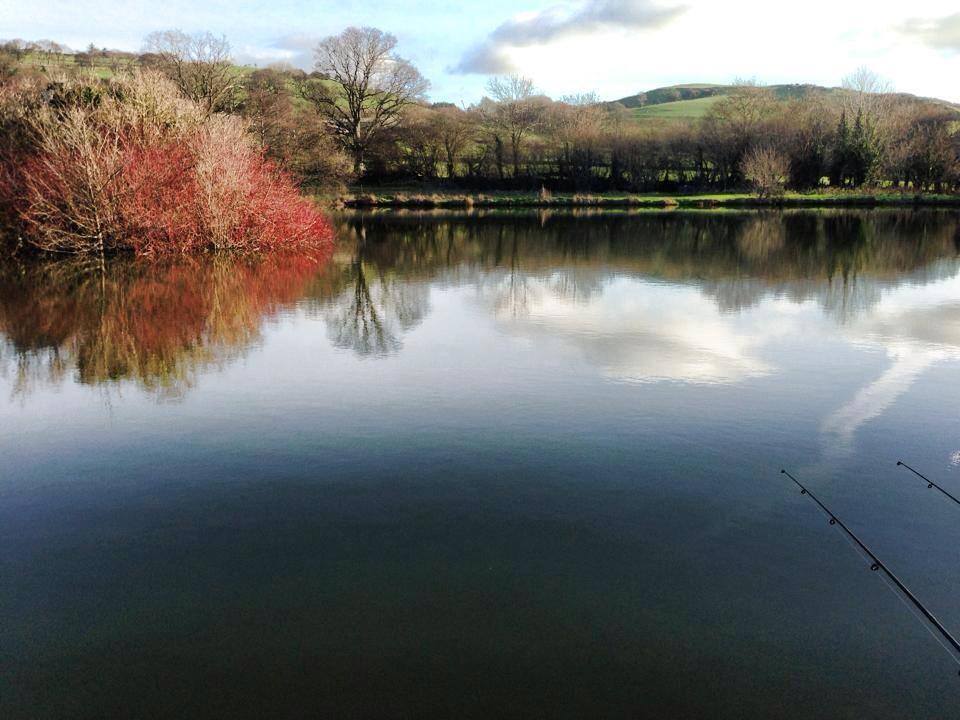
(841, 151)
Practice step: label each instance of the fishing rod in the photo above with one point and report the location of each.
(930, 483)
(878, 564)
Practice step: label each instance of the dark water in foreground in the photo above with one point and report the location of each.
(502, 466)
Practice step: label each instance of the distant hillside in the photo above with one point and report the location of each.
(692, 101)
(675, 103)
(677, 110)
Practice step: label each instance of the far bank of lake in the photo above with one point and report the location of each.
(391, 197)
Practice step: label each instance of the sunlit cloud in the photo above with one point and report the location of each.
(541, 28)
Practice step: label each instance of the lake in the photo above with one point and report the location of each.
(486, 465)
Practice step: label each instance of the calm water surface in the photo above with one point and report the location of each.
(486, 466)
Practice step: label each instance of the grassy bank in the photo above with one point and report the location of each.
(398, 199)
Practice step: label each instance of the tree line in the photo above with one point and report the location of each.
(362, 115)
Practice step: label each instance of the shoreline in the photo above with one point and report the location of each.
(393, 199)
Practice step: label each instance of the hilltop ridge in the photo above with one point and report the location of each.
(690, 101)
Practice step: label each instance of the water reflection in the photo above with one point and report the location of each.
(374, 309)
(843, 260)
(640, 331)
(470, 442)
(691, 297)
(916, 329)
(158, 325)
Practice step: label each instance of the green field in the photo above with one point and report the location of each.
(100, 67)
(662, 103)
(395, 197)
(105, 69)
(679, 110)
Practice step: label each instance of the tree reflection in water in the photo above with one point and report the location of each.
(158, 324)
(161, 324)
(375, 309)
(841, 259)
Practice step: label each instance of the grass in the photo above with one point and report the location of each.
(102, 66)
(696, 108)
(677, 110)
(105, 69)
(698, 86)
(387, 198)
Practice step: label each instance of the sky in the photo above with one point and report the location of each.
(612, 47)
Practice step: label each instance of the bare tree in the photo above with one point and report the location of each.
(455, 128)
(576, 124)
(734, 123)
(198, 64)
(371, 86)
(268, 109)
(420, 143)
(766, 168)
(16, 47)
(867, 94)
(50, 50)
(745, 107)
(516, 110)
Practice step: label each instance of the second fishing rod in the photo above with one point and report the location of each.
(930, 483)
(942, 634)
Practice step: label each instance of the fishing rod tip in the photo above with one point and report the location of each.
(899, 463)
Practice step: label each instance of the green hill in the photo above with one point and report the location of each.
(693, 101)
(677, 110)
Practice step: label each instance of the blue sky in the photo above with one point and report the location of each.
(612, 47)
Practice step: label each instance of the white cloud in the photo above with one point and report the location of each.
(614, 47)
(296, 49)
(939, 33)
(819, 41)
(541, 28)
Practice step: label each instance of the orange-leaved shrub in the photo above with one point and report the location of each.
(129, 164)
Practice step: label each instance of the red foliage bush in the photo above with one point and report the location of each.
(161, 198)
(140, 170)
(166, 207)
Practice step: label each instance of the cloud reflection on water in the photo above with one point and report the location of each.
(916, 328)
(640, 331)
(637, 330)
(686, 298)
